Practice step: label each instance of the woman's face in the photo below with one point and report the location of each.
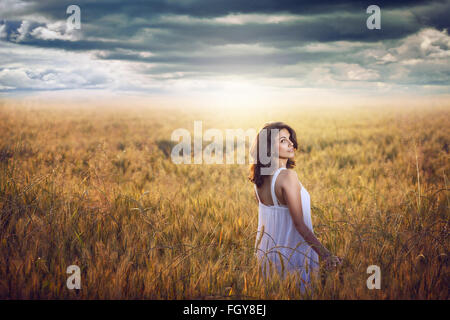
(285, 146)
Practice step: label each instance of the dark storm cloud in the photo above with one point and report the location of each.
(208, 8)
(93, 12)
(182, 36)
(327, 21)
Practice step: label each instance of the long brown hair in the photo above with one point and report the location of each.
(255, 168)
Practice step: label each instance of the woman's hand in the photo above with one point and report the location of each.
(332, 262)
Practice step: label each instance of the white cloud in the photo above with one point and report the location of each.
(22, 32)
(234, 19)
(50, 31)
(334, 46)
(3, 31)
(55, 31)
(353, 72)
(411, 62)
(12, 8)
(428, 43)
(387, 58)
(49, 69)
(18, 78)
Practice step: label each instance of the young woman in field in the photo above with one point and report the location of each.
(285, 236)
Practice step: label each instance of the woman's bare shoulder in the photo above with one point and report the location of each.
(288, 177)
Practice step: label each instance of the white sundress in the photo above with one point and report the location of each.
(281, 237)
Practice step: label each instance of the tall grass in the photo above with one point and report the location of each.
(95, 187)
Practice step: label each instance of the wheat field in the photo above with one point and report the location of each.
(94, 186)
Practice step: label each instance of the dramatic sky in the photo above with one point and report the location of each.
(226, 51)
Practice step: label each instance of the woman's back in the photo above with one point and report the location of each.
(264, 194)
(277, 235)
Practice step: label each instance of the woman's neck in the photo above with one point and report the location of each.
(282, 163)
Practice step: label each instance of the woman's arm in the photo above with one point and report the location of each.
(291, 192)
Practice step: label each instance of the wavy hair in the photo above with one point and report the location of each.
(255, 168)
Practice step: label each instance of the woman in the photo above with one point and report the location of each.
(285, 235)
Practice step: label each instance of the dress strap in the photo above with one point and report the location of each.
(256, 190)
(272, 187)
